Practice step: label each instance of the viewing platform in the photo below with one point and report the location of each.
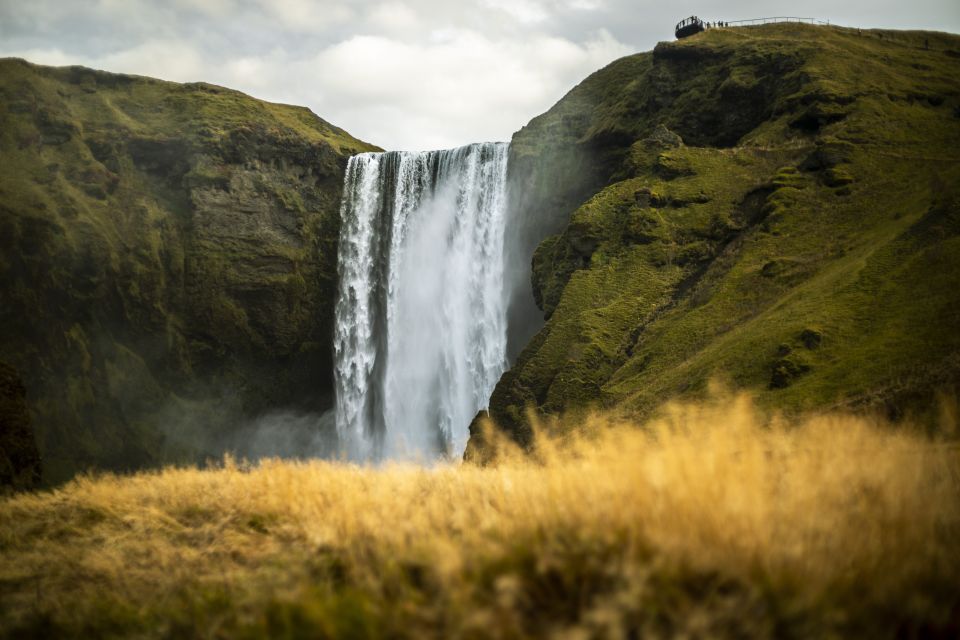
(694, 25)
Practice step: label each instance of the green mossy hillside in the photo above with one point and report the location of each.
(166, 251)
(803, 240)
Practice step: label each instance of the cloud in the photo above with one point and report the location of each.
(394, 18)
(52, 57)
(169, 59)
(421, 95)
(166, 59)
(307, 15)
(522, 10)
(399, 73)
(213, 8)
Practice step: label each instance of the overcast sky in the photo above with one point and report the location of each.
(403, 74)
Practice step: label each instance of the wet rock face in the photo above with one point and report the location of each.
(263, 238)
(19, 458)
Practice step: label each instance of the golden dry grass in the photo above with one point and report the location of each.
(710, 522)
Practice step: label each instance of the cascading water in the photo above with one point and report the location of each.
(420, 335)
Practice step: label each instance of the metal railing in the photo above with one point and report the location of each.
(689, 21)
(754, 21)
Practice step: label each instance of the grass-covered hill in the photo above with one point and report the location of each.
(166, 250)
(776, 206)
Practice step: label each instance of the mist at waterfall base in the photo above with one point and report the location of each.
(420, 337)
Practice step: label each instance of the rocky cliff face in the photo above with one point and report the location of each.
(168, 252)
(774, 206)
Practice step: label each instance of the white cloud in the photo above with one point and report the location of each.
(52, 57)
(464, 82)
(523, 10)
(399, 73)
(164, 59)
(449, 88)
(167, 59)
(215, 8)
(307, 15)
(394, 17)
(585, 5)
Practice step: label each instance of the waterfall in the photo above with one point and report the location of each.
(420, 337)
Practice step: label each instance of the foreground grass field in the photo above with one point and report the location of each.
(711, 522)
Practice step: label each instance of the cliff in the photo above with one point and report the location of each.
(168, 261)
(774, 206)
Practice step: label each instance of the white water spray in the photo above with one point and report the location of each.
(420, 334)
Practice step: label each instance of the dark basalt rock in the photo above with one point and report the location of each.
(819, 115)
(19, 458)
(828, 154)
(663, 138)
(786, 370)
(811, 338)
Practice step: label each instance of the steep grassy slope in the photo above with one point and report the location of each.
(166, 250)
(803, 239)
